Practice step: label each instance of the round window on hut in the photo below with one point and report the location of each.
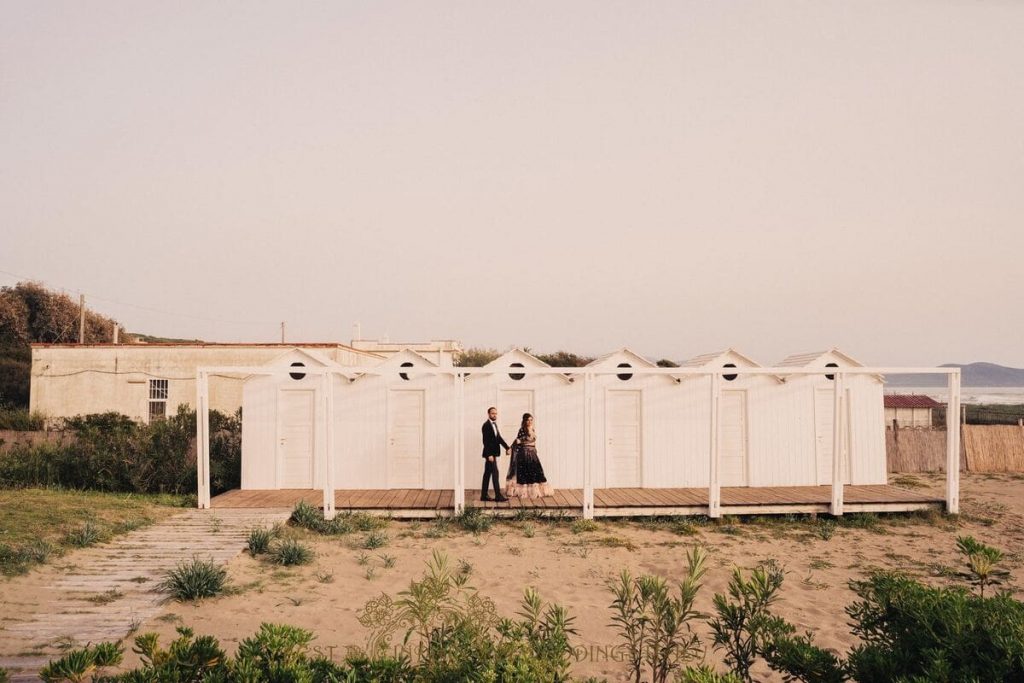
(624, 376)
(732, 376)
(830, 365)
(403, 375)
(297, 375)
(516, 375)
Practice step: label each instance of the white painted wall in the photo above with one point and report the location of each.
(265, 437)
(558, 419)
(72, 379)
(361, 433)
(909, 417)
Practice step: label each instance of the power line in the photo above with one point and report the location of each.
(142, 308)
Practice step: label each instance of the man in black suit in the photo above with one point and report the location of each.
(493, 442)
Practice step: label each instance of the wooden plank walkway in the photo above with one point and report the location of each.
(607, 502)
(126, 569)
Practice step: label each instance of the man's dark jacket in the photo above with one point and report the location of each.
(492, 442)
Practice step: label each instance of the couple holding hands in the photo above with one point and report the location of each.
(525, 477)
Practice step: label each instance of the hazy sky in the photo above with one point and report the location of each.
(676, 177)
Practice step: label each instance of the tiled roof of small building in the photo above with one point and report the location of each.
(910, 401)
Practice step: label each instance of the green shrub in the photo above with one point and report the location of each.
(861, 520)
(259, 540)
(910, 630)
(187, 659)
(307, 516)
(825, 529)
(277, 653)
(705, 674)
(19, 559)
(981, 563)
(654, 624)
(84, 536)
(194, 580)
(21, 420)
(310, 517)
(362, 521)
(289, 552)
(914, 633)
(225, 451)
(374, 540)
(76, 665)
(580, 526)
(743, 625)
(111, 452)
(474, 520)
(452, 633)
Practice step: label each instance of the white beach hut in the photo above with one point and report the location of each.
(555, 401)
(637, 435)
(811, 398)
(395, 427)
(283, 426)
(749, 433)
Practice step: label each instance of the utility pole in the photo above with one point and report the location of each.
(282, 332)
(81, 319)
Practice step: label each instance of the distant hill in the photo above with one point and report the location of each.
(971, 375)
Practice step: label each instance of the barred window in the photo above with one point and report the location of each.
(157, 399)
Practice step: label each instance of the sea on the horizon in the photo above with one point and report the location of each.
(972, 395)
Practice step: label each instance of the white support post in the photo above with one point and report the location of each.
(200, 440)
(838, 443)
(327, 388)
(588, 450)
(714, 483)
(459, 494)
(953, 445)
(203, 440)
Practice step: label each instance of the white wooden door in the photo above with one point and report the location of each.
(824, 419)
(511, 405)
(405, 446)
(732, 444)
(296, 440)
(623, 442)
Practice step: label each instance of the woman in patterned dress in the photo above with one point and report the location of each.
(525, 473)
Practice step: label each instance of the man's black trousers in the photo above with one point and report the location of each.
(490, 472)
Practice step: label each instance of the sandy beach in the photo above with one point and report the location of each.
(574, 569)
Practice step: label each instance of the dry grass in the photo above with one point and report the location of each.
(33, 518)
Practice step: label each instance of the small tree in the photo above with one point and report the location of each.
(744, 625)
(655, 624)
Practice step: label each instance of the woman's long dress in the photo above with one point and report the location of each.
(525, 473)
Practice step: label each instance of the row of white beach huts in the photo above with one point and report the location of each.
(396, 428)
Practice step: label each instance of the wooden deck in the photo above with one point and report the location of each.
(417, 503)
